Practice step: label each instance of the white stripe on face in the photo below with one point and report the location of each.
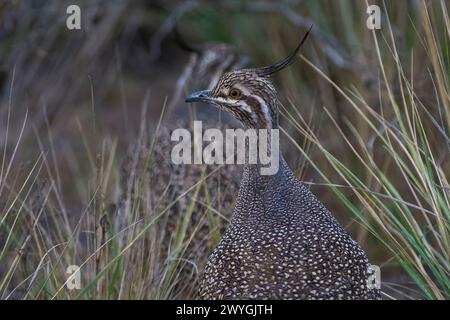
(238, 104)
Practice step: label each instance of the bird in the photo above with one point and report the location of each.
(167, 182)
(281, 243)
(207, 62)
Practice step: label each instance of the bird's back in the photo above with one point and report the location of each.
(284, 244)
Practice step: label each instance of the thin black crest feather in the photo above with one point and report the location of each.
(267, 71)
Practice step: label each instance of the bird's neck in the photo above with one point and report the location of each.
(267, 182)
(270, 167)
(261, 149)
(261, 173)
(260, 194)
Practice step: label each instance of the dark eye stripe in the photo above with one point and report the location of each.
(224, 96)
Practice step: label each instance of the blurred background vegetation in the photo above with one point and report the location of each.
(365, 116)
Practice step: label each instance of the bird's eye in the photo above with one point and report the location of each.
(235, 93)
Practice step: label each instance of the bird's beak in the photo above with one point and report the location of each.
(199, 96)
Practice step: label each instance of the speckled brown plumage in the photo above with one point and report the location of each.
(282, 243)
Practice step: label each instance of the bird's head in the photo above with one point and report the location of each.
(248, 94)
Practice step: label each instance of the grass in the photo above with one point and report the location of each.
(373, 135)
